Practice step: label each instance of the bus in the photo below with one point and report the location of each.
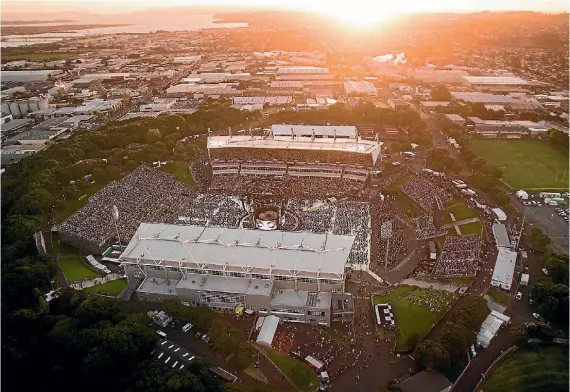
(550, 195)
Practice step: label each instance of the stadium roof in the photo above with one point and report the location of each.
(304, 143)
(504, 268)
(497, 80)
(317, 130)
(483, 97)
(238, 249)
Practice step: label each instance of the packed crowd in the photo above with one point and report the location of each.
(144, 195)
(425, 227)
(244, 154)
(426, 193)
(460, 257)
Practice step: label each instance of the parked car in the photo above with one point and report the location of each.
(536, 315)
(519, 296)
(187, 327)
(545, 271)
(205, 338)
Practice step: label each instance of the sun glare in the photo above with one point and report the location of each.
(358, 17)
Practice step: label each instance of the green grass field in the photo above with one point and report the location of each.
(180, 171)
(499, 296)
(113, 288)
(468, 229)
(256, 374)
(38, 57)
(460, 211)
(75, 270)
(529, 370)
(408, 206)
(526, 164)
(412, 318)
(298, 372)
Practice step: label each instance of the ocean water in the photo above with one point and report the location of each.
(192, 22)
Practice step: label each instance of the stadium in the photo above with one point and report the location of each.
(279, 221)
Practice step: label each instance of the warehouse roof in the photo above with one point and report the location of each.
(501, 235)
(301, 70)
(504, 268)
(498, 80)
(483, 97)
(243, 248)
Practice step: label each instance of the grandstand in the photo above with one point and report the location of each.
(292, 275)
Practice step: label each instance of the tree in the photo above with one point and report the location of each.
(440, 93)
(540, 240)
(520, 335)
(548, 307)
(432, 355)
(478, 163)
(152, 136)
(557, 266)
(413, 340)
(457, 339)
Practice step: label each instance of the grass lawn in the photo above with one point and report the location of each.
(471, 228)
(499, 296)
(460, 211)
(526, 370)
(40, 57)
(256, 374)
(397, 292)
(72, 205)
(526, 164)
(180, 171)
(75, 269)
(298, 372)
(113, 288)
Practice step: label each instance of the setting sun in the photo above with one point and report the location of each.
(359, 17)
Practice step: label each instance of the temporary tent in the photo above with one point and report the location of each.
(522, 195)
(500, 214)
(265, 337)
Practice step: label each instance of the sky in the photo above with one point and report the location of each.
(366, 10)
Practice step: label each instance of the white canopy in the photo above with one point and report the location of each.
(522, 195)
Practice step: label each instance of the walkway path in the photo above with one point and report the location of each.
(371, 273)
(436, 285)
(460, 223)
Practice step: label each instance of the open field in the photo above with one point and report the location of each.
(408, 206)
(468, 229)
(460, 211)
(499, 296)
(37, 57)
(526, 164)
(180, 171)
(412, 315)
(75, 270)
(114, 287)
(526, 370)
(298, 372)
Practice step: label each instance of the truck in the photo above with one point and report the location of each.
(524, 279)
(315, 363)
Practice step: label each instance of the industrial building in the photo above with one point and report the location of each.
(42, 75)
(504, 269)
(186, 59)
(302, 70)
(360, 88)
(430, 75)
(41, 133)
(280, 100)
(14, 153)
(479, 97)
(496, 83)
(506, 129)
(22, 107)
(181, 90)
(158, 105)
(293, 275)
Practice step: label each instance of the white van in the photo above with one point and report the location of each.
(187, 327)
(161, 334)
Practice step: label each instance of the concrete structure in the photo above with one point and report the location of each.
(267, 332)
(490, 327)
(22, 107)
(504, 269)
(426, 381)
(292, 275)
(42, 75)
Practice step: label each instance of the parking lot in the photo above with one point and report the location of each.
(548, 220)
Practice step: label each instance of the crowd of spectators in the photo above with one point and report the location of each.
(426, 193)
(425, 228)
(246, 154)
(460, 257)
(434, 300)
(144, 195)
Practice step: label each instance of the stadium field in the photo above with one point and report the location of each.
(526, 370)
(113, 288)
(526, 164)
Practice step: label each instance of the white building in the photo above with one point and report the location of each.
(186, 59)
(158, 105)
(360, 87)
(42, 75)
(490, 327)
(504, 269)
(267, 332)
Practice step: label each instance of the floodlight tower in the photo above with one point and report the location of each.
(386, 234)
